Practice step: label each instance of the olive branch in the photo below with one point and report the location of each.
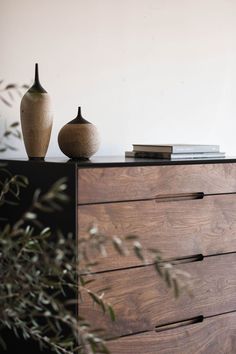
(8, 95)
(40, 270)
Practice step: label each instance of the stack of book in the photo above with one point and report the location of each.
(175, 151)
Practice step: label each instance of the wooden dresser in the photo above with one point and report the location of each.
(187, 209)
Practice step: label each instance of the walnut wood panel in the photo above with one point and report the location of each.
(216, 335)
(142, 300)
(144, 182)
(178, 228)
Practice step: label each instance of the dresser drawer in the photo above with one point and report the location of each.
(96, 185)
(142, 300)
(177, 228)
(216, 335)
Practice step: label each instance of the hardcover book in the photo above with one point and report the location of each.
(176, 148)
(170, 156)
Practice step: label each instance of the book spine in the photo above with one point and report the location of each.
(195, 149)
(168, 156)
(202, 155)
(150, 155)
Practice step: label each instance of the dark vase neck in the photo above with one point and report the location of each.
(79, 119)
(37, 87)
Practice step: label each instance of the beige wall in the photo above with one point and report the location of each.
(147, 71)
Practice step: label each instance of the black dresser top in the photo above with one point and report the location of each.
(116, 161)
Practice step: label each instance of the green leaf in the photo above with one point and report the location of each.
(159, 268)
(7, 103)
(154, 250)
(118, 245)
(111, 312)
(138, 250)
(167, 277)
(15, 124)
(94, 297)
(86, 282)
(31, 216)
(10, 86)
(131, 237)
(176, 288)
(46, 231)
(7, 133)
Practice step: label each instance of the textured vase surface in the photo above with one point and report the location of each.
(36, 119)
(79, 138)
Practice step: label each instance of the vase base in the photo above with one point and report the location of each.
(36, 158)
(79, 159)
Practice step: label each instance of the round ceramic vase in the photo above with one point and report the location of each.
(79, 138)
(36, 119)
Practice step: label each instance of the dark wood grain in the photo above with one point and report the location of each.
(216, 335)
(144, 182)
(142, 300)
(178, 228)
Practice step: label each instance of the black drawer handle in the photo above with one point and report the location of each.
(178, 324)
(188, 259)
(179, 197)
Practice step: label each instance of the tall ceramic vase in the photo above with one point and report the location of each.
(36, 119)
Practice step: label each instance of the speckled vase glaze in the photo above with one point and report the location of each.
(79, 138)
(36, 119)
